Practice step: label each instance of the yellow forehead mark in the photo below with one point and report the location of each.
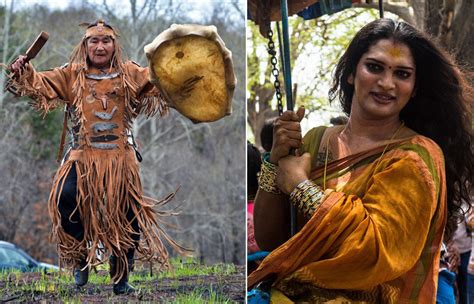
(395, 52)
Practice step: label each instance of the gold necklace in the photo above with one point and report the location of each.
(378, 162)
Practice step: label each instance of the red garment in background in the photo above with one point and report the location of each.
(251, 243)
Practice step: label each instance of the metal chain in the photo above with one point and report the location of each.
(275, 72)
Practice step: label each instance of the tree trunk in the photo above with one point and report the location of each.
(256, 119)
(6, 40)
(433, 17)
(462, 40)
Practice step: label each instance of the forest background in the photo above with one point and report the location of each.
(205, 160)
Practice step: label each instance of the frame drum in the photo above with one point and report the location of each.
(193, 69)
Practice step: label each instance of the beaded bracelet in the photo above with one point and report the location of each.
(267, 177)
(307, 197)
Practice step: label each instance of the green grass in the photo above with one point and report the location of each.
(61, 284)
(189, 268)
(182, 268)
(199, 296)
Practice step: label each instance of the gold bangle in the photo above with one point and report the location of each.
(267, 178)
(306, 197)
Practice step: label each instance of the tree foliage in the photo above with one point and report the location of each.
(315, 47)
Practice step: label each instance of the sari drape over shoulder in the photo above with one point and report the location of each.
(376, 238)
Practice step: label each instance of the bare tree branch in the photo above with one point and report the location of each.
(403, 11)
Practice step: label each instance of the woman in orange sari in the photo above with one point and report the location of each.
(374, 196)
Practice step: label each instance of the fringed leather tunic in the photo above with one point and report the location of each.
(101, 108)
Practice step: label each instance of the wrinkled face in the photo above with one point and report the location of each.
(384, 81)
(100, 50)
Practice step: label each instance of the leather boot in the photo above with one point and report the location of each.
(81, 276)
(122, 286)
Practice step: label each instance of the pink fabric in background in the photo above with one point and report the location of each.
(250, 207)
(251, 243)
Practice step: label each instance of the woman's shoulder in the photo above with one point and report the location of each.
(313, 138)
(421, 142)
(421, 150)
(318, 132)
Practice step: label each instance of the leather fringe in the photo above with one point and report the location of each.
(106, 188)
(21, 87)
(152, 105)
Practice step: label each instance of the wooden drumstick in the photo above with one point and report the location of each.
(31, 53)
(36, 46)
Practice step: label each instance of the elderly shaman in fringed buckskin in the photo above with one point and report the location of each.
(97, 203)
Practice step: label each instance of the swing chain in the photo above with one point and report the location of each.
(273, 59)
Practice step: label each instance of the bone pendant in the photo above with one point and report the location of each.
(99, 127)
(104, 146)
(104, 103)
(105, 115)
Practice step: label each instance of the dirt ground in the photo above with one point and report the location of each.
(25, 289)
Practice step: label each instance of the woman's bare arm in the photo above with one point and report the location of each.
(272, 211)
(271, 220)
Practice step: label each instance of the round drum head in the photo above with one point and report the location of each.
(192, 70)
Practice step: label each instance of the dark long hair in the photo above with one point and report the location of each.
(438, 110)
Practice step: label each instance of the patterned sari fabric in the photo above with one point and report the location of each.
(376, 238)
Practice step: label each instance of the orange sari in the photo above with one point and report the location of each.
(376, 238)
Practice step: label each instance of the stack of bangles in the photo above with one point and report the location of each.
(307, 196)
